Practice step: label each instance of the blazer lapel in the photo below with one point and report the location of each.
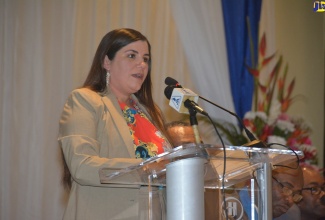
(114, 108)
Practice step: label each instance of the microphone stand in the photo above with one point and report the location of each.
(194, 124)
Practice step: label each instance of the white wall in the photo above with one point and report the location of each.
(300, 39)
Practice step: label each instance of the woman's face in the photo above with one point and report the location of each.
(128, 69)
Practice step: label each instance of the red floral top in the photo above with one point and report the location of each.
(147, 139)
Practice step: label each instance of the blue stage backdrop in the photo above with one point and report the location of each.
(236, 15)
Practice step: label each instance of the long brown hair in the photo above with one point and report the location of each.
(96, 79)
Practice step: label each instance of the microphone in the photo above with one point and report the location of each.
(183, 99)
(172, 82)
(254, 141)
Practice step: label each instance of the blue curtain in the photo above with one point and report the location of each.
(236, 13)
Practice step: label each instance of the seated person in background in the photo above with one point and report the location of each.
(180, 132)
(312, 205)
(286, 186)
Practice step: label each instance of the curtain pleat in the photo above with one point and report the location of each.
(238, 17)
(200, 27)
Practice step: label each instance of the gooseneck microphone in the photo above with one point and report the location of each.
(184, 101)
(181, 97)
(174, 84)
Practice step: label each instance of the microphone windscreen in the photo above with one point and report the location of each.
(170, 81)
(168, 91)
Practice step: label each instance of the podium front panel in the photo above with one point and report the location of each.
(228, 174)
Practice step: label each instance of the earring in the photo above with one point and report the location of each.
(107, 78)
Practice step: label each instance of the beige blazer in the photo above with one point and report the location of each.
(93, 134)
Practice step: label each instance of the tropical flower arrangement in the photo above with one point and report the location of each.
(284, 129)
(269, 120)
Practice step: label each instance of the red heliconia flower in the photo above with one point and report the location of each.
(290, 88)
(267, 131)
(249, 124)
(262, 88)
(285, 104)
(280, 83)
(254, 72)
(275, 70)
(287, 101)
(262, 45)
(267, 60)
